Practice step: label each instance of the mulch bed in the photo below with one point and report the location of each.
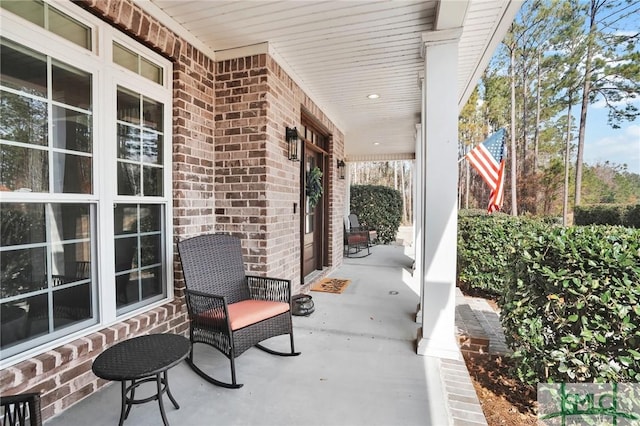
(505, 400)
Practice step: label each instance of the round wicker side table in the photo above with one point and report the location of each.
(139, 360)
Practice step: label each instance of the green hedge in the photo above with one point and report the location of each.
(379, 208)
(608, 214)
(571, 310)
(485, 248)
(569, 297)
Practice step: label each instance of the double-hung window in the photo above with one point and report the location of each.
(85, 176)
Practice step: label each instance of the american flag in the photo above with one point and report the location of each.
(488, 159)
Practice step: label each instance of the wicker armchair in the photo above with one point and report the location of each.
(21, 410)
(356, 242)
(355, 226)
(228, 309)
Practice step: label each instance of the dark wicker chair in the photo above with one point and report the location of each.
(355, 226)
(21, 410)
(228, 309)
(356, 242)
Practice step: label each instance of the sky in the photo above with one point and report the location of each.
(619, 146)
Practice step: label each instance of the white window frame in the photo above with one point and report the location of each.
(106, 77)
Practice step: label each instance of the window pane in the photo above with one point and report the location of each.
(37, 319)
(127, 289)
(71, 174)
(125, 218)
(125, 58)
(23, 169)
(21, 223)
(150, 218)
(152, 181)
(128, 107)
(128, 142)
(22, 271)
(14, 324)
(150, 250)
(152, 113)
(139, 257)
(71, 86)
(308, 227)
(23, 119)
(151, 148)
(38, 308)
(32, 11)
(151, 71)
(126, 253)
(71, 130)
(71, 262)
(71, 305)
(70, 222)
(128, 179)
(151, 282)
(69, 28)
(23, 69)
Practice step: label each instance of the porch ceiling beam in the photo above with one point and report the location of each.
(451, 14)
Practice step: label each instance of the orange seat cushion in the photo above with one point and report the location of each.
(247, 312)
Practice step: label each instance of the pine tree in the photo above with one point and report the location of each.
(611, 68)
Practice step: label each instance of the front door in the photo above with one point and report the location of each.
(312, 218)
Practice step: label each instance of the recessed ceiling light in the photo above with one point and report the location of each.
(373, 96)
(376, 143)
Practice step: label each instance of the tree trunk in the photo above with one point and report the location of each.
(536, 139)
(514, 201)
(586, 89)
(567, 152)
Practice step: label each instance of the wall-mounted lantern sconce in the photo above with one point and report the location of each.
(341, 167)
(293, 140)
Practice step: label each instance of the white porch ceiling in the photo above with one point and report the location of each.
(341, 51)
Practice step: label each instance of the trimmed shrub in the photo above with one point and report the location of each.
(485, 248)
(379, 208)
(571, 310)
(608, 214)
(632, 216)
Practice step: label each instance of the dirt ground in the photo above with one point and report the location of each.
(505, 400)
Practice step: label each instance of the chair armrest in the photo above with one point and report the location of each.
(14, 408)
(199, 302)
(273, 289)
(207, 310)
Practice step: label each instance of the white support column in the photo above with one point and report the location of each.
(439, 200)
(418, 211)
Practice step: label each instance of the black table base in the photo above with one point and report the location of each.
(129, 394)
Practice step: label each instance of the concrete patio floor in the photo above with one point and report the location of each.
(358, 367)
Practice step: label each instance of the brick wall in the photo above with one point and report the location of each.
(256, 185)
(286, 105)
(241, 147)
